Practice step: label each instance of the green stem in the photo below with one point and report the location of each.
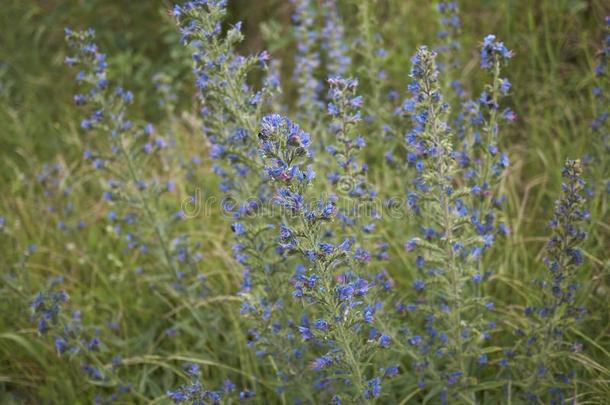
(148, 211)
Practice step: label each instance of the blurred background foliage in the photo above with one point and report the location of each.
(555, 44)
(554, 41)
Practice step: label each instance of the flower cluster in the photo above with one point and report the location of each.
(350, 181)
(220, 75)
(230, 107)
(283, 143)
(75, 341)
(449, 21)
(601, 123)
(493, 52)
(130, 159)
(307, 57)
(195, 393)
(231, 113)
(480, 156)
(46, 307)
(563, 254)
(333, 40)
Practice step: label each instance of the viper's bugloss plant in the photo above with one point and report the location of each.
(600, 125)
(334, 41)
(479, 156)
(329, 283)
(46, 307)
(358, 211)
(548, 350)
(372, 55)
(119, 153)
(449, 47)
(344, 109)
(231, 110)
(54, 180)
(454, 326)
(478, 127)
(78, 343)
(307, 57)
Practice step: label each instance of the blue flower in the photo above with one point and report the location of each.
(505, 86)
(326, 248)
(238, 228)
(228, 386)
(419, 285)
(177, 396)
(373, 388)
(415, 340)
(321, 324)
(305, 333)
(411, 244)
(454, 377)
(493, 50)
(368, 314)
(321, 363)
(60, 344)
(391, 371)
(384, 341)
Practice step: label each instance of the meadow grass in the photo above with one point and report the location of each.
(555, 44)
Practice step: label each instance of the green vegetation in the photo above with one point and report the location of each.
(156, 330)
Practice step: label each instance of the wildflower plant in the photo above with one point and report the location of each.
(78, 343)
(229, 106)
(338, 58)
(344, 108)
(358, 212)
(230, 111)
(600, 125)
(601, 71)
(328, 283)
(120, 155)
(307, 57)
(547, 347)
(372, 55)
(478, 128)
(57, 187)
(480, 157)
(493, 55)
(449, 47)
(453, 318)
